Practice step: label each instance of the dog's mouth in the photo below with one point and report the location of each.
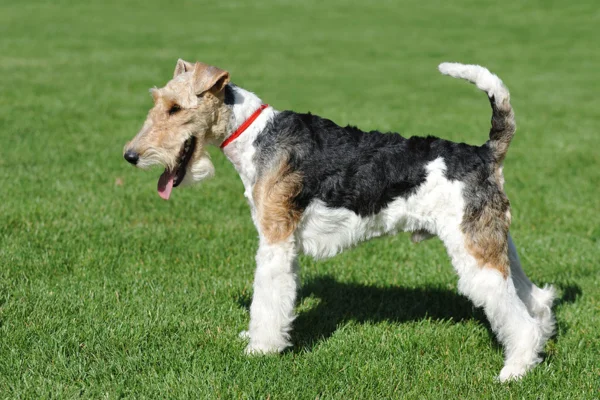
(173, 177)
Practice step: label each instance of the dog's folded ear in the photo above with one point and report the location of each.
(209, 78)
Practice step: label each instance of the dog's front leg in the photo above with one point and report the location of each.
(275, 286)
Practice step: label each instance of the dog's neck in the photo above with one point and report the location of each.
(241, 151)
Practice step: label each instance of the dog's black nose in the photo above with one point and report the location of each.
(131, 156)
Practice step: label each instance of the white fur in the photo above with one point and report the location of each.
(519, 333)
(478, 75)
(518, 311)
(324, 232)
(200, 170)
(537, 300)
(241, 151)
(275, 287)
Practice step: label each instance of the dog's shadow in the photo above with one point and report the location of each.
(339, 302)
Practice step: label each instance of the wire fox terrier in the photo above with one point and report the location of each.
(318, 188)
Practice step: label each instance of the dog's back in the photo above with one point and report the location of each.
(364, 172)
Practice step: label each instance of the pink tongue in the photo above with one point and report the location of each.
(165, 184)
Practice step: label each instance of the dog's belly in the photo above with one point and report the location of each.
(325, 231)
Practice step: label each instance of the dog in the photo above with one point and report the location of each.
(318, 188)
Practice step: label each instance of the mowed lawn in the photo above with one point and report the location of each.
(107, 291)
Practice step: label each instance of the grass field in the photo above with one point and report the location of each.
(106, 291)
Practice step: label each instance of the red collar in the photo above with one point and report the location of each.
(244, 126)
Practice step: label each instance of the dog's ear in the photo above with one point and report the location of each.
(155, 94)
(209, 78)
(182, 66)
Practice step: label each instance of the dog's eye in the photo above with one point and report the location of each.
(175, 108)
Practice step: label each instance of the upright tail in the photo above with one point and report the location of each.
(503, 117)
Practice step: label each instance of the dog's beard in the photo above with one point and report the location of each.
(199, 170)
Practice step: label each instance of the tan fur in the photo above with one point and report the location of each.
(197, 90)
(486, 233)
(273, 196)
(182, 66)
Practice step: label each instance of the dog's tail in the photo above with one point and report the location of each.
(503, 117)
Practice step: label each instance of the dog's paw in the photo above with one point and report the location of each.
(245, 335)
(512, 373)
(261, 347)
(253, 349)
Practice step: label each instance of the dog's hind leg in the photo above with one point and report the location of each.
(490, 286)
(537, 300)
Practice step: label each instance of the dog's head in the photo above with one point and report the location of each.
(188, 114)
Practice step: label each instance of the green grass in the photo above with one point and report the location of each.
(106, 291)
